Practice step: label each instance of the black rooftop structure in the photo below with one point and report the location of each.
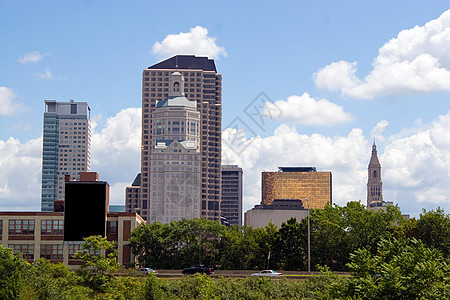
(190, 62)
(297, 169)
(137, 180)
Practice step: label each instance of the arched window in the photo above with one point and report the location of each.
(176, 87)
(374, 174)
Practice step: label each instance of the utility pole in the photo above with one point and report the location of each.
(309, 239)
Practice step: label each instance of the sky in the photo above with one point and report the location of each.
(305, 83)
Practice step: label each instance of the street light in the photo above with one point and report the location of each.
(309, 239)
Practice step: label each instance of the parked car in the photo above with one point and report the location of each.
(268, 273)
(148, 271)
(198, 269)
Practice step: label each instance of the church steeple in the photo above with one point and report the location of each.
(374, 183)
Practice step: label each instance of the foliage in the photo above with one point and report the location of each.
(335, 233)
(177, 244)
(14, 271)
(432, 228)
(99, 258)
(400, 269)
(54, 281)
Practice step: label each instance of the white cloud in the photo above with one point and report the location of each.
(309, 111)
(7, 106)
(31, 57)
(416, 164)
(196, 42)
(377, 132)
(47, 74)
(420, 162)
(416, 167)
(417, 60)
(345, 156)
(20, 176)
(116, 153)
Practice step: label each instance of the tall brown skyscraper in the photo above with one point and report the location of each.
(203, 85)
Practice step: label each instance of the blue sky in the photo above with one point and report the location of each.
(339, 73)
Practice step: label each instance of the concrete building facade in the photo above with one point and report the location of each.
(202, 85)
(278, 212)
(231, 202)
(175, 157)
(297, 183)
(66, 148)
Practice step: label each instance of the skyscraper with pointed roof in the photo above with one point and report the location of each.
(374, 183)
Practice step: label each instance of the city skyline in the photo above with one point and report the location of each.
(323, 69)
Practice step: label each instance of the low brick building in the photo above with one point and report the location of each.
(41, 234)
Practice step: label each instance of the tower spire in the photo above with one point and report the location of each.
(374, 183)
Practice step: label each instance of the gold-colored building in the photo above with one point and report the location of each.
(297, 183)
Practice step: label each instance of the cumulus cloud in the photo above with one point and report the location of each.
(196, 42)
(416, 166)
(20, 176)
(420, 162)
(377, 132)
(31, 57)
(7, 106)
(115, 153)
(417, 60)
(344, 156)
(306, 110)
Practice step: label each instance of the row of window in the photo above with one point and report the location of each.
(47, 227)
(48, 251)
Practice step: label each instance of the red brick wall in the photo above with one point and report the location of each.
(126, 230)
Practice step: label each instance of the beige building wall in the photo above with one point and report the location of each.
(119, 227)
(259, 218)
(314, 186)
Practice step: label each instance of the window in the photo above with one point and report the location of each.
(21, 226)
(1, 227)
(52, 251)
(27, 250)
(113, 225)
(74, 248)
(52, 226)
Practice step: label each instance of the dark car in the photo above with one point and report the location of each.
(198, 269)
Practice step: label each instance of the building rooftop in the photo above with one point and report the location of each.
(137, 180)
(177, 101)
(189, 62)
(283, 204)
(297, 169)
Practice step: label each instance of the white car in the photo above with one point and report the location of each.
(148, 271)
(268, 273)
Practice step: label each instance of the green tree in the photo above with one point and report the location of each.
(433, 228)
(238, 248)
(291, 243)
(400, 269)
(177, 244)
(14, 274)
(99, 258)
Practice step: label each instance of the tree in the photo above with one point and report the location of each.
(400, 269)
(14, 273)
(292, 244)
(99, 258)
(433, 228)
